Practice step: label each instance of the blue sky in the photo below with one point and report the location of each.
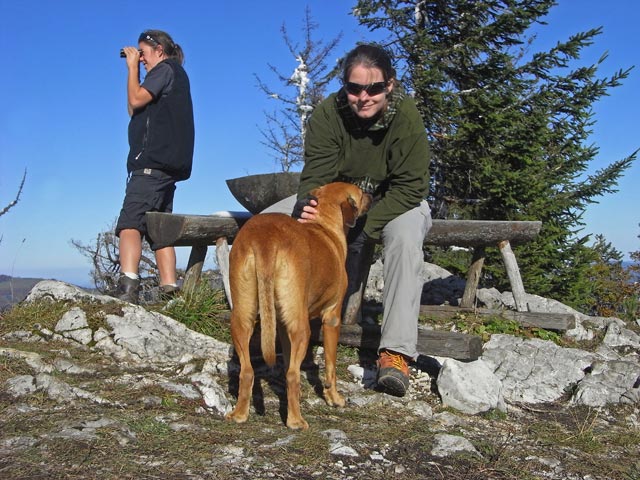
(64, 117)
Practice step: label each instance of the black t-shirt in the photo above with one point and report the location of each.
(159, 80)
(161, 134)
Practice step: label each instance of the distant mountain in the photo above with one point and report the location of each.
(15, 289)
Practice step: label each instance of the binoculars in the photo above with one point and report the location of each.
(123, 55)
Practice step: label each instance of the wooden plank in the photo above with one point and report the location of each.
(436, 343)
(188, 230)
(549, 321)
(474, 233)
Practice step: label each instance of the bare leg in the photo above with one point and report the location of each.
(166, 260)
(130, 250)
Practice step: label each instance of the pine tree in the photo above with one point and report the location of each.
(508, 129)
(610, 282)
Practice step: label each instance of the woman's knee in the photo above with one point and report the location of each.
(408, 231)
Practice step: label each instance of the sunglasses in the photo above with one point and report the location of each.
(372, 89)
(145, 37)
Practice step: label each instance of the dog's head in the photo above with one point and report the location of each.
(348, 197)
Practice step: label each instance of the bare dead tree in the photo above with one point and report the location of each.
(17, 199)
(298, 95)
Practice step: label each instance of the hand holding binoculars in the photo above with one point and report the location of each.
(123, 55)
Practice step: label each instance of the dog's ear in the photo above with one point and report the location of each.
(349, 211)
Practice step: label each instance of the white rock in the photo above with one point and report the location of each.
(338, 443)
(533, 370)
(470, 387)
(74, 319)
(445, 445)
(420, 408)
(21, 385)
(55, 290)
(212, 393)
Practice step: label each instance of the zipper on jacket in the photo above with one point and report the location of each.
(144, 139)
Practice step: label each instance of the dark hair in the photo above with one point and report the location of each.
(369, 56)
(158, 37)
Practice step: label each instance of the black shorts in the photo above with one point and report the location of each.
(147, 191)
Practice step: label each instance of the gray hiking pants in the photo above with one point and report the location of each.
(402, 240)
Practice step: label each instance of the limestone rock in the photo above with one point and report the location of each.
(470, 387)
(533, 370)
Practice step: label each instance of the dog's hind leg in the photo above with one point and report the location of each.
(241, 332)
(331, 334)
(299, 333)
(243, 320)
(285, 345)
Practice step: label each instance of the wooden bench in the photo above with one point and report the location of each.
(201, 231)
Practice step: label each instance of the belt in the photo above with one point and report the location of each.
(153, 172)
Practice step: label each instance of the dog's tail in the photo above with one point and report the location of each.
(267, 305)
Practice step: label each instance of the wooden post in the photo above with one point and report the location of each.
(194, 267)
(517, 288)
(473, 277)
(222, 256)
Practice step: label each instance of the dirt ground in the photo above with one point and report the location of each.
(145, 430)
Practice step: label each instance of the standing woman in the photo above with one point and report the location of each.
(161, 139)
(370, 133)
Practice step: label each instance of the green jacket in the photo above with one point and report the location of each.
(389, 159)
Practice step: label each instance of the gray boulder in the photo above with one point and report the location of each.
(535, 371)
(470, 387)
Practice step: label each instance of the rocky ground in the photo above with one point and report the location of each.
(91, 388)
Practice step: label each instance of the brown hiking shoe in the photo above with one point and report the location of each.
(128, 289)
(393, 373)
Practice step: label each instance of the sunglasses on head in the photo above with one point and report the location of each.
(145, 37)
(375, 88)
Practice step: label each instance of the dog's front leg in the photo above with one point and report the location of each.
(331, 334)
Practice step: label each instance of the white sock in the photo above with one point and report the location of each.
(133, 276)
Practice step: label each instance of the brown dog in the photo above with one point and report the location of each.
(289, 272)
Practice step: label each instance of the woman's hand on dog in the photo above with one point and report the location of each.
(304, 209)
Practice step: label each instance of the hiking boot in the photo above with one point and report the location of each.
(168, 292)
(128, 289)
(393, 373)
